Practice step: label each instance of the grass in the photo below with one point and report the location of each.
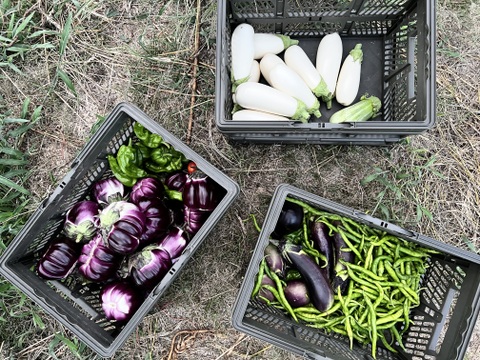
(65, 64)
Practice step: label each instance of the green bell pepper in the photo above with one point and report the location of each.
(147, 137)
(118, 173)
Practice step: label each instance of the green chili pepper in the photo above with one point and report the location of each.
(148, 138)
(373, 326)
(118, 173)
(258, 283)
(280, 296)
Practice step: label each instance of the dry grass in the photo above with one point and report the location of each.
(141, 52)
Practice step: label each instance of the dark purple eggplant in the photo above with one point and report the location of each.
(122, 224)
(342, 252)
(97, 262)
(147, 188)
(59, 260)
(296, 293)
(158, 219)
(319, 289)
(148, 266)
(323, 242)
(176, 180)
(290, 220)
(200, 198)
(264, 294)
(173, 242)
(274, 259)
(120, 300)
(176, 210)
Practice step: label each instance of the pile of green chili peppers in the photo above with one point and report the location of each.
(384, 286)
(146, 155)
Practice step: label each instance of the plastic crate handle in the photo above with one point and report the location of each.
(386, 225)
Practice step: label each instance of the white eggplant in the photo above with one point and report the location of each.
(254, 115)
(328, 62)
(268, 62)
(242, 51)
(265, 43)
(288, 81)
(296, 59)
(349, 77)
(261, 97)
(254, 72)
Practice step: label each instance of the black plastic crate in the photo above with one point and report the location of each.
(398, 39)
(74, 304)
(441, 325)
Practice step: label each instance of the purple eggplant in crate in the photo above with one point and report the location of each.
(199, 200)
(81, 221)
(147, 188)
(120, 300)
(107, 191)
(122, 224)
(59, 259)
(98, 262)
(158, 219)
(148, 266)
(174, 242)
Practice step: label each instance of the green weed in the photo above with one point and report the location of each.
(400, 184)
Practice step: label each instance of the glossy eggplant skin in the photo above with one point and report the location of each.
(176, 180)
(158, 218)
(59, 259)
(296, 293)
(120, 300)
(200, 198)
(149, 266)
(323, 242)
(319, 289)
(340, 277)
(290, 220)
(274, 259)
(97, 262)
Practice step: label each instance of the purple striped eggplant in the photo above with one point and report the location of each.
(81, 221)
(120, 300)
(176, 180)
(59, 259)
(148, 266)
(98, 262)
(107, 191)
(122, 224)
(174, 242)
(199, 200)
(158, 219)
(147, 188)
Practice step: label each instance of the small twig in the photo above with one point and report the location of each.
(230, 349)
(194, 72)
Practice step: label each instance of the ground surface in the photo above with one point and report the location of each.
(141, 52)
